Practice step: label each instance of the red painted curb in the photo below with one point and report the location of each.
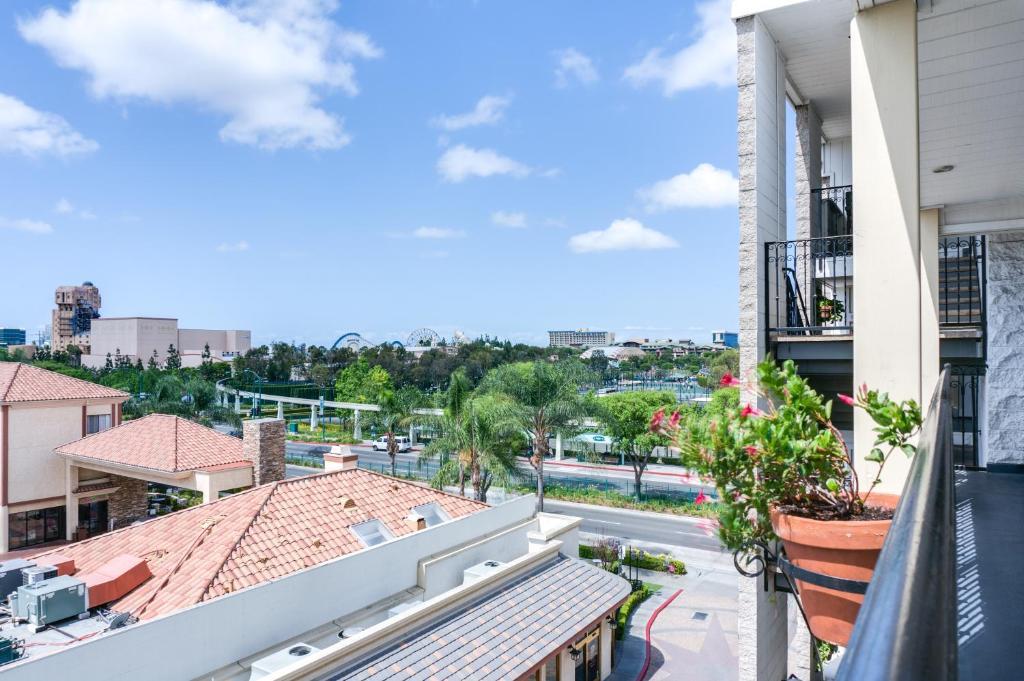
(647, 634)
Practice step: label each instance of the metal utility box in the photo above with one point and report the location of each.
(51, 600)
(10, 575)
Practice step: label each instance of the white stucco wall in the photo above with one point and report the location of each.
(837, 161)
(1004, 381)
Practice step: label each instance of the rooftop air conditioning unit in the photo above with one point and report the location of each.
(51, 600)
(265, 666)
(10, 575)
(32, 575)
(480, 570)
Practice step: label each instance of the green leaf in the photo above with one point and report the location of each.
(832, 484)
(875, 455)
(909, 450)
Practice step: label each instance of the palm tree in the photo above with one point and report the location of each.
(483, 440)
(451, 421)
(396, 411)
(547, 401)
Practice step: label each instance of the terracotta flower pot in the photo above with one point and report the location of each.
(839, 548)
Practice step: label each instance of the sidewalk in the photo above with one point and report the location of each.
(695, 637)
(662, 472)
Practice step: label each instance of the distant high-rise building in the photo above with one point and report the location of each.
(12, 337)
(581, 338)
(76, 307)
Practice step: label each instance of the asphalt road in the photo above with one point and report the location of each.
(655, 528)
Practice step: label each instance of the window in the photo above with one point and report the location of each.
(96, 423)
(432, 513)
(29, 528)
(551, 670)
(372, 532)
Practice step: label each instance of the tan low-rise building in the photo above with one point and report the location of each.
(70, 469)
(142, 338)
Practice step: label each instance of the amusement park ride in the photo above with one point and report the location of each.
(420, 338)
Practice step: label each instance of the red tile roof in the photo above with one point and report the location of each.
(255, 536)
(26, 383)
(159, 442)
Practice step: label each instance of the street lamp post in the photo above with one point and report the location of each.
(259, 390)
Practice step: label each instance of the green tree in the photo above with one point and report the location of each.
(483, 440)
(395, 413)
(626, 417)
(359, 382)
(173, 361)
(718, 364)
(456, 400)
(546, 399)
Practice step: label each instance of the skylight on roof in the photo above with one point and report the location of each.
(372, 532)
(432, 513)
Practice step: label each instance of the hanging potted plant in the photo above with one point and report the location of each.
(786, 474)
(830, 310)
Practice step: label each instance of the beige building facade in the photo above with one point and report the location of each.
(139, 337)
(76, 308)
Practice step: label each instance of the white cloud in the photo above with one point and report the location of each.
(507, 219)
(703, 187)
(25, 225)
(709, 60)
(461, 162)
(31, 132)
(65, 207)
(437, 233)
(488, 110)
(236, 247)
(262, 64)
(622, 235)
(574, 65)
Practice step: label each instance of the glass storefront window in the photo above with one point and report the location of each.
(29, 528)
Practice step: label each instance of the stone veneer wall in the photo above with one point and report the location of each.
(1004, 380)
(129, 503)
(263, 444)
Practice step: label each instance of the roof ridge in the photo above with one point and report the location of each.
(175, 462)
(241, 536)
(10, 384)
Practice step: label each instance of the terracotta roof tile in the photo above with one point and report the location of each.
(26, 383)
(257, 535)
(159, 442)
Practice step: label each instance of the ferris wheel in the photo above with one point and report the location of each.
(423, 338)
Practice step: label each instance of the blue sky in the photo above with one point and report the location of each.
(303, 168)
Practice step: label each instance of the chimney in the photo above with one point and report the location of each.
(263, 444)
(415, 521)
(340, 458)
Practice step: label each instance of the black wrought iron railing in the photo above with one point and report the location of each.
(809, 286)
(907, 627)
(962, 281)
(835, 211)
(965, 387)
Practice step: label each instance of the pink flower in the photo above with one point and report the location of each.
(710, 527)
(750, 411)
(846, 399)
(701, 499)
(656, 420)
(673, 420)
(729, 381)
(751, 450)
(671, 568)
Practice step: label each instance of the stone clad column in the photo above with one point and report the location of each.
(263, 443)
(807, 172)
(313, 422)
(1004, 381)
(280, 409)
(761, 124)
(357, 431)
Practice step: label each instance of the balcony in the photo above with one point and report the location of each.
(945, 600)
(809, 282)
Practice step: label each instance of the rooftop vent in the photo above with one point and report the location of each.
(480, 570)
(265, 666)
(346, 501)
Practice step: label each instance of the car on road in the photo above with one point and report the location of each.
(381, 444)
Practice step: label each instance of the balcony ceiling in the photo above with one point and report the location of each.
(971, 89)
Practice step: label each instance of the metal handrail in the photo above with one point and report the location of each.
(906, 628)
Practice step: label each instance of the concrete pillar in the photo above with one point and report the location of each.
(887, 243)
(807, 172)
(313, 422)
(238, 404)
(412, 434)
(205, 486)
(930, 354)
(566, 665)
(357, 431)
(70, 503)
(607, 639)
(5, 529)
(761, 125)
(340, 458)
(558, 446)
(280, 409)
(801, 651)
